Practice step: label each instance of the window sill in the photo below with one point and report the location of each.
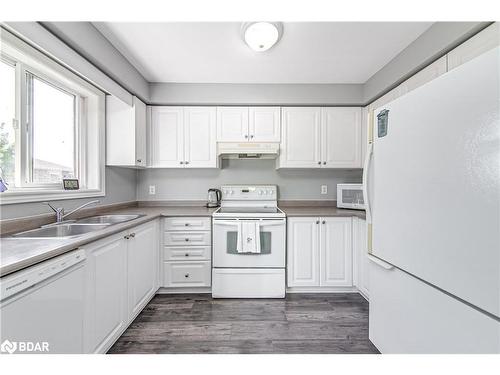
(12, 197)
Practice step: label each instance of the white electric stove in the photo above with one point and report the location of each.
(249, 232)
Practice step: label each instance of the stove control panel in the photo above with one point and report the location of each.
(249, 192)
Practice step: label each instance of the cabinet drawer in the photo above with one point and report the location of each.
(187, 223)
(186, 274)
(187, 253)
(187, 239)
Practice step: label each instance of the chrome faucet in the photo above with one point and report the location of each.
(60, 215)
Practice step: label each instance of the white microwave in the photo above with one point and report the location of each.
(350, 196)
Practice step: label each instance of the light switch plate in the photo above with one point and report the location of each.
(324, 189)
(152, 189)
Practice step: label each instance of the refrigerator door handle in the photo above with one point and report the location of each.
(366, 168)
(380, 262)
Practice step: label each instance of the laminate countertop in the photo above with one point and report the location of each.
(19, 253)
(322, 211)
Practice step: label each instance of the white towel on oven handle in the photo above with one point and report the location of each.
(251, 237)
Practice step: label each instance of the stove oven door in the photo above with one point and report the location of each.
(272, 244)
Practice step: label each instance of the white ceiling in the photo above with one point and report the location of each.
(214, 52)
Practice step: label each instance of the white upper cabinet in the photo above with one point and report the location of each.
(167, 137)
(264, 124)
(341, 137)
(183, 137)
(336, 252)
(300, 138)
(314, 137)
(248, 124)
(480, 43)
(232, 124)
(199, 137)
(125, 133)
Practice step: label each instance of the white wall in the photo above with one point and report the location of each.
(192, 184)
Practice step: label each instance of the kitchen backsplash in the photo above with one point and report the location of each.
(192, 184)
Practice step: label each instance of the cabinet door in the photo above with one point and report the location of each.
(336, 251)
(232, 124)
(480, 43)
(300, 140)
(360, 255)
(303, 251)
(167, 137)
(341, 137)
(106, 292)
(264, 124)
(140, 133)
(142, 265)
(200, 137)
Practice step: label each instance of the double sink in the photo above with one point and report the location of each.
(75, 228)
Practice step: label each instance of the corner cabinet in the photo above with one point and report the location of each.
(121, 278)
(183, 137)
(319, 252)
(248, 124)
(314, 137)
(125, 133)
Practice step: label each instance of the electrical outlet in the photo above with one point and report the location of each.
(152, 189)
(324, 189)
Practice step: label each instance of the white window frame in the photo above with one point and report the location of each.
(89, 129)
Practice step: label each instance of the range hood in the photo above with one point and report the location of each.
(248, 150)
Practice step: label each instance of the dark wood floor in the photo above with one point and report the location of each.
(301, 323)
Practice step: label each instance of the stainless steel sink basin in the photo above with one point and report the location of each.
(107, 219)
(61, 231)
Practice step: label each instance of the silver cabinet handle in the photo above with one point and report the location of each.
(181, 162)
(186, 239)
(132, 235)
(251, 136)
(246, 136)
(127, 237)
(186, 254)
(186, 162)
(186, 275)
(317, 221)
(186, 224)
(139, 160)
(323, 222)
(319, 162)
(324, 163)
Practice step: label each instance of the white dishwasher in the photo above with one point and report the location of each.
(41, 307)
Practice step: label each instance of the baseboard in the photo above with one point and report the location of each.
(199, 290)
(323, 289)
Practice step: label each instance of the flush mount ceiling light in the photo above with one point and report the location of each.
(260, 36)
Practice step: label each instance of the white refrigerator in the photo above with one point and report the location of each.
(433, 191)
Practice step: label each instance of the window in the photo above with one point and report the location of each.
(51, 127)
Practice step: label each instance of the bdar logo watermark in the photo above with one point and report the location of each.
(12, 347)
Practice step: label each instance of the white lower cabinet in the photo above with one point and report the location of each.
(105, 293)
(187, 274)
(187, 252)
(122, 275)
(142, 262)
(319, 252)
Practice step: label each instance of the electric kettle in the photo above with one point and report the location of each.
(214, 197)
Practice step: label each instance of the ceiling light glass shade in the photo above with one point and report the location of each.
(260, 36)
